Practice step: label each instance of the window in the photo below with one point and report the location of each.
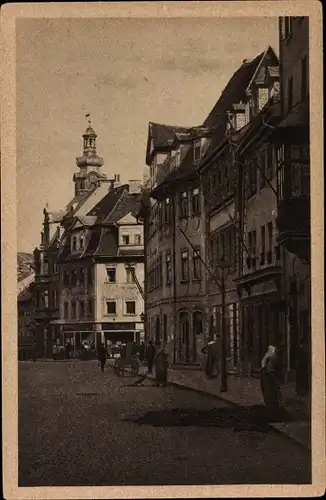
(137, 239)
(125, 239)
(251, 259)
(167, 211)
(165, 328)
(290, 93)
(262, 97)
(184, 266)
(110, 307)
(65, 313)
(90, 307)
(74, 277)
(184, 204)
(280, 156)
(197, 150)
(82, 276)
(81, 309)
(263, 245)
(111, 274)
(304, 77)
(81, 242)
(270, 242)
(168, 268)
(129, 276)
(252, 177)
(74, 243)
(195, 201)
(73, 310)
(197, 265)
(130, 307)
(90, 276)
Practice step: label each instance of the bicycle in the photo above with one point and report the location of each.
(126, 366)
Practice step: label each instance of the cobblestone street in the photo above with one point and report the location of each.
(78, 426)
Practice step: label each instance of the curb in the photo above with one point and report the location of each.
(231, 403)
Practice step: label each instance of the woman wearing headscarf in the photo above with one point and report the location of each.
(270, 379)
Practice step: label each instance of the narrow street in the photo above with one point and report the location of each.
(78, 426)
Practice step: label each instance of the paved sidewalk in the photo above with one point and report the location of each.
(245, 392)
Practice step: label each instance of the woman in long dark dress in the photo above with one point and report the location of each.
(270, 379)
(161, 365)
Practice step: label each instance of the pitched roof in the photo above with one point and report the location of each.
(216, 121)
(107, 203)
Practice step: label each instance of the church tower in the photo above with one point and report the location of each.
(89, 176)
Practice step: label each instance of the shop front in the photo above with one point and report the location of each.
(119, 332)
(263, 319)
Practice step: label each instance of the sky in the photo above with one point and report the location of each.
(126, 73)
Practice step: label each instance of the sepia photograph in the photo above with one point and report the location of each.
(164, 262)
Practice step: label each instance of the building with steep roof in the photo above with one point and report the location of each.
(99, 299)
(77, 242)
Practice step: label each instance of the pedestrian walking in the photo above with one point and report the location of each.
(101, 356)
(142, 352)
(270, 380)
(161, 365)
(150, 354)
(54, 351)
(211, 365)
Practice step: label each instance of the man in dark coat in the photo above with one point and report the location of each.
(101, 356)
(150, 354)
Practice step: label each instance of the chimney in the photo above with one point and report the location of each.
(134, 186)
(116, 181)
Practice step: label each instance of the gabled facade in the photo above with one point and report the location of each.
(99, 299)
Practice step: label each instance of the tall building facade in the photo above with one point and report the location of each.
(175, 239)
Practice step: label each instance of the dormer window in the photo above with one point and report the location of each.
(74, 243)
(81, 242)
(197, 150)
